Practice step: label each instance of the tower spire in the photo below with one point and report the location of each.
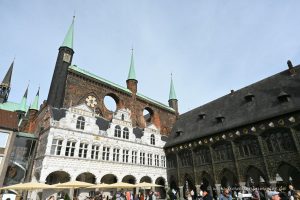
(68, 41)
(5, 84)
(35, 104)
(23, 105)
(131, 74)
(173, 102)
(172, 94)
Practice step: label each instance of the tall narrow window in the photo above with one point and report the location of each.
(117, 131)
(163, 161)
(156, 160)
(149, 159)
(134, 157)
(152, 140)
(122, 117)
(83, 148)
(105, 153)
(116, 154)
(95, 152)
(56, 147)
(125, 133)
(125, 155)
(142, 158)
(80, 123)
(70, 149)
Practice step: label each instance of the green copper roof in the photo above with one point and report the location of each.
(35, 104)
(172, 94)
(23, 106)
(10, 106)
(68, 41)
(84, 72)
(131, 74)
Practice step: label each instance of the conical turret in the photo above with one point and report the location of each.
(35, 104)
(23, 104)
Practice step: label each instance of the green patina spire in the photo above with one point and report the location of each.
(131, 74)
(172, 94)
(35, 104)
(23, 106)
(68, 41)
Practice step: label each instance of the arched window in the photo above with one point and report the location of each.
(125, 133)
(80, 123)
(222, 152)
(280, 141)
(122, 117)
(248, 147)
(117, 131)
(152, 140)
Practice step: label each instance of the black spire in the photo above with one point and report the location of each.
(5, 84)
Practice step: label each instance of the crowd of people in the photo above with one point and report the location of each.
(251, 194)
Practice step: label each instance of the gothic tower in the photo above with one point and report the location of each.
(64, 60)
(5, 84)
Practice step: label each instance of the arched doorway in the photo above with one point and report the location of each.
(289, 175)
(109, 179)
(57, 177)
(161, 190)
(254, 177)
(207, 182)
(189, 185)
(86, 177)
(129, 179)
(228, 179)
(146, 179)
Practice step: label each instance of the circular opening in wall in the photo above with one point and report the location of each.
(148, 114)
(110, 103)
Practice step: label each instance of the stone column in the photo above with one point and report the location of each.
(295, 139)
(218, 188)
(263, 153)
(235, 160)
(181, 192)
(212, 164)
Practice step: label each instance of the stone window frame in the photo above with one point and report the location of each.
(149, 159)
(156, 160)
(70, 148)
(80, 124)
(105, 153)
(125, 156)
(142, 158)
(117, 132)
(116, 154)
(202, 156)
(163, 161)
(95, 151)
(83, 149)
(152, 139)
(222, 152)
(248, 147)
(279, 140)
(134, 157)
(56, 146)
(126, 133)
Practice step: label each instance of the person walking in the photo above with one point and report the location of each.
(206, 195)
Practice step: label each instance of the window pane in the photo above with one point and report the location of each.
(3, 139)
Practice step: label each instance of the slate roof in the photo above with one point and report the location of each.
(102, 123)
(237, 111)
(138, 132)
(8, 120)
(57, 113)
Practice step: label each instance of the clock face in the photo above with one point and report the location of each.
(67, 57)
(91, 101)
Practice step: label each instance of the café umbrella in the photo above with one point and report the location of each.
(73, 185)
(28, 186)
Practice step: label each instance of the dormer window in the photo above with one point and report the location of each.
(249, 97)
(283, 97)
(80, 123)
(220, 118)
(152, 139)
(201, 115)
(179, 132)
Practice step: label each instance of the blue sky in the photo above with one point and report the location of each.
(210, 46)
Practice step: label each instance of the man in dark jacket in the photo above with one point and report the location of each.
(206, 195)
